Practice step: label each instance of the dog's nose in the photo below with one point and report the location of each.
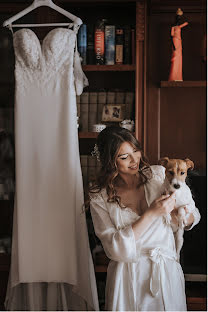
(177, 186)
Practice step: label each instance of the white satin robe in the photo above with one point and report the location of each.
(142, 275)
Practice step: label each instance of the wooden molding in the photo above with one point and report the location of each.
(140, 21)
(181, 84)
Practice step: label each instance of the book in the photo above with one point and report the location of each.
(90, 44)
(92, 120)
(100, 42)
(84, 106)
(82, 43)
(119, 45)
(92, 162)
(109, 44)
(129, 101)
(127, 45)
(133, 56)
(120, 97)
(98, 166)
(111, 97)
(102, 97)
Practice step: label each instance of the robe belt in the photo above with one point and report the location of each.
(158, 256)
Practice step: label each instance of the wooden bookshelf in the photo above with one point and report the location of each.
(88, 135)
(96, 68)
(188, 84)
(101, 268)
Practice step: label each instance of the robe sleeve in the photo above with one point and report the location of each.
(119, 244)
(196, 214)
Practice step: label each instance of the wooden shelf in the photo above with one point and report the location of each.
(108, 68)
(101, 268)
(196, 303)
(188, 84)
(88, 135)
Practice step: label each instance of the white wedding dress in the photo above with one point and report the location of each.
(51, 265)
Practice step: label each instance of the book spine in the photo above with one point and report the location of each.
(99, 43)
(92, 110)
(119, 45)
(127, 45)
(91, 168)
(90, 44)
(111, 97)
(129, 101)
(98, 166)
(82, 43)
(84, 106)
(102, 96)
(120, 97)
(110, 45)
(133, 57)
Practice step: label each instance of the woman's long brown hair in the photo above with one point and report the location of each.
(109, 142)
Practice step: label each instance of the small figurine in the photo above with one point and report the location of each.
(176, 58)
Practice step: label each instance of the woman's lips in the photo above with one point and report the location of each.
(134, 167)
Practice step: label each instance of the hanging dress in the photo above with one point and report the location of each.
(51, 266)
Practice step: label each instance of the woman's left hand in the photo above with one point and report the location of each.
(174, 217)
(190, 219)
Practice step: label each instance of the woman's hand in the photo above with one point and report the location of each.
(190, 219)
(163, 205)
(189, 216)
(159, 207)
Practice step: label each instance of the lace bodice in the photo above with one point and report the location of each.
(38, 63)
(128, 216)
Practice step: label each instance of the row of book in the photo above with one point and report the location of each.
(90, 167)
(103, 44)
(90, 106)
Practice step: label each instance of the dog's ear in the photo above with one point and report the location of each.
(163, 161)
(189, 163)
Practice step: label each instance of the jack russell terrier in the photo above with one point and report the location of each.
(175, 181)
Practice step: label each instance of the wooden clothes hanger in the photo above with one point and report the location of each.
(37, 3)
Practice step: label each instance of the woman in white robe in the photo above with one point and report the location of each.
(143, 274)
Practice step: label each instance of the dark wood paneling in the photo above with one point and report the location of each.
(176, 117)
(183, 124)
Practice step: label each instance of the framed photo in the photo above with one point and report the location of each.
(113, 112)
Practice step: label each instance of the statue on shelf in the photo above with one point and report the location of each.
(176, 58)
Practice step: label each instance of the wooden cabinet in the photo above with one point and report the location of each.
(176, 118)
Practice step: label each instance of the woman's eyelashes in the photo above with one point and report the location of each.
(123, 157)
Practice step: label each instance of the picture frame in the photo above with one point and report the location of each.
(113, 112)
